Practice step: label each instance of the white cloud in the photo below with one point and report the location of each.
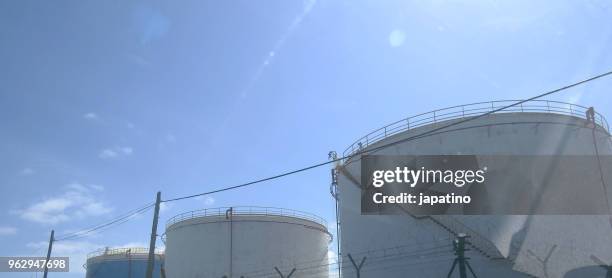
(107, 153)
(170, 138)
(115, 152)
(164, 207)
(331, 256)
(91, 116)
(133, 244)
(7, 231)
(397, 38)
(96, 187)
(332, 259)
(574, 98)
(78, 201)
(78, 187)
(76, 250)
(26, 172)
(126, 150)
(207, 200)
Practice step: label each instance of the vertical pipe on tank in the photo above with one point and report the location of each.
(334, 193)
(129, 257)
(229, 215)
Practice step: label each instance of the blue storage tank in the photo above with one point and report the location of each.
(122, 263)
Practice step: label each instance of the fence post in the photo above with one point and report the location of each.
(461, 260)
(281, 274)
(357, 267)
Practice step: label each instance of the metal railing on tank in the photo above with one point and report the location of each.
(120, 251)
(250, 210)
(471, 110)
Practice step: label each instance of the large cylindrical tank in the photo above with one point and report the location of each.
(246, 242)
(121, 263)
(503, 245)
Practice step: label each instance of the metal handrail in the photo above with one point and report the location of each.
(120, 251)
(471, 110)
(248, 210)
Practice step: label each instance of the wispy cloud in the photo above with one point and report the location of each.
(26, 171)
(397, 38)
(7, 231)
(207, 200)
(133, 244)
(91, 116)
(115, 152)
(170, 138)
(332, 260)
(574, 98)
(165, 207)
(78, 201)
(150, 23)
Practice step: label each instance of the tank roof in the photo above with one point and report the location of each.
(472, 110)
(121, 251)
(246, 211)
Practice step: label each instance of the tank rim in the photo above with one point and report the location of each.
(470, 110)
(246, 211)
(120, 251)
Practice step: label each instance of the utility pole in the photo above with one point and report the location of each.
(462, 260)
(151, 260)
(357, 268)
(333, 190)
(281, 274)
(51, 239)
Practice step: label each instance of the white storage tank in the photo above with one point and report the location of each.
(246, 242)
(503, 245)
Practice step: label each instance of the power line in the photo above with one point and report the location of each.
(107, 227)
(127, 217)
(117, 221)
(360, 152)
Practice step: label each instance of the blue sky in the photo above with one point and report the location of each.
(104, 103)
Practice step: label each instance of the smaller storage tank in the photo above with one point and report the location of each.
(121, 263)
(246, 242)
